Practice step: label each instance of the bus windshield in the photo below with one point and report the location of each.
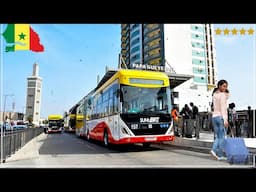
(55, 123)
(144, 100)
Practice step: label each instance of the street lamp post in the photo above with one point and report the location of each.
(5, 96)
(23, 111)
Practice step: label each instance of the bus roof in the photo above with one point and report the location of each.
(72, 116)
(54, 117)
(129, 72)
(142, 73)
(137, 74)
(79, 117)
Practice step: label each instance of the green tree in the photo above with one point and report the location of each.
(45, 121)
(30, 118)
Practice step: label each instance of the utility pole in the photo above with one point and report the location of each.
(23, 111)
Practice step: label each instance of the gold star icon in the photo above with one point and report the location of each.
(234, 31)
(226, 31)
(218, 31)
(242, 31)
(250, 31)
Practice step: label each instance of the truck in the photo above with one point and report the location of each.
(55, 123)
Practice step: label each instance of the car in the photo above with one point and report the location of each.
(19, 127)
(7, 126)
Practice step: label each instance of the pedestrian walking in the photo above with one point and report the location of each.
(174, 114)
(194, 116)
(186, 115)
(219, 119)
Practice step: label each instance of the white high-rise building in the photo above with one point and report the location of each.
(187, 49)
(34, 92)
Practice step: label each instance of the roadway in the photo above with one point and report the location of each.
(65, 150)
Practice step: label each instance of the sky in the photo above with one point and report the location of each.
(75, 54)
(236, 62)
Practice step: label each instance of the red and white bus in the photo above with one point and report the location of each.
(129, 106)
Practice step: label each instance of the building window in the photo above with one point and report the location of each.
(135, 33)
(135, 41)
(135, 49)
(31, 84)
(198, 62)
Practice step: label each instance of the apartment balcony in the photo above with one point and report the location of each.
(123, 51)
(124, 26)
(150, 28)
(123, 46)
(149, 39)
(149, 48)
(123, 38)
(147, 58)
(155, 61)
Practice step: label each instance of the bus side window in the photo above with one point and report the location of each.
(119, 93)
(89, 102)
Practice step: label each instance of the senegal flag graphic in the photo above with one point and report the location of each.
(22, 37)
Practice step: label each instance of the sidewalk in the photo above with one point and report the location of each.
(205, 142)
(29, 151)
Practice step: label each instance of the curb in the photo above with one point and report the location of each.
(197, 145)
(191, 144)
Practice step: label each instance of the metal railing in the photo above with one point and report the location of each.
(14, 140)
(244, 127)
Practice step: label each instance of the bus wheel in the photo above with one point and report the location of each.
(105, 138)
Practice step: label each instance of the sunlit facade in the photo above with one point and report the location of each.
(34, 92)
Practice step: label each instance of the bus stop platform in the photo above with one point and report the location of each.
(205, 141)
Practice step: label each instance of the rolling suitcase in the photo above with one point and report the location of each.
(236, 150)
(189, 128)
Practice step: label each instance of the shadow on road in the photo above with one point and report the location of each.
(66, 143)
